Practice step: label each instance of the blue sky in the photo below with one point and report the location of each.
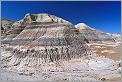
(102, 15)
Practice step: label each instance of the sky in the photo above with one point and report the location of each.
(101, 15)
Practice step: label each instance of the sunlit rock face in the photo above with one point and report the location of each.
(116, 36)
(6, 25)
(41, 18)
(33, 21)
(41, 38)
(93, 34)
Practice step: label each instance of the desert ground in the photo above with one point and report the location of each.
(102, 66)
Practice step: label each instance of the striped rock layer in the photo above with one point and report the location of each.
(93, 34)
(42, 38)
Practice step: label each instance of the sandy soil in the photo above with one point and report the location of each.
(112, 51)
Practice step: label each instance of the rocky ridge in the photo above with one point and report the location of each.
(93, 34)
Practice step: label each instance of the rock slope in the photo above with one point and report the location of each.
(45, 47)
(116, 36)
(42, 38)
(6, 24)
(93, 34)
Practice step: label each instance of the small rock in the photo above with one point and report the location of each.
(119, 69)
(103, 79)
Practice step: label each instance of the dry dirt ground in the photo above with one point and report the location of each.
(112, 50)
(105, 66)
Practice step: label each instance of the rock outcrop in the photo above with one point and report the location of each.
(116, 36)
(42, 38)
(93, 34)
(6, 25)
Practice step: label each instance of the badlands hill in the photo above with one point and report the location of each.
(45, 37)
(104, 44)
(6, 25)
(93, 34)
(116, 36)
(44, 47)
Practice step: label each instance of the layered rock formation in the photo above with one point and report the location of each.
(116, 36)
(41, 38)
(6, 25)
(93, 34)
(45, 47)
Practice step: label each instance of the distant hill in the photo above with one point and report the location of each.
(92, 34)
(116, 36)
(6, 25)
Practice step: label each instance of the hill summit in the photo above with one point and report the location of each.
(40, 18)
